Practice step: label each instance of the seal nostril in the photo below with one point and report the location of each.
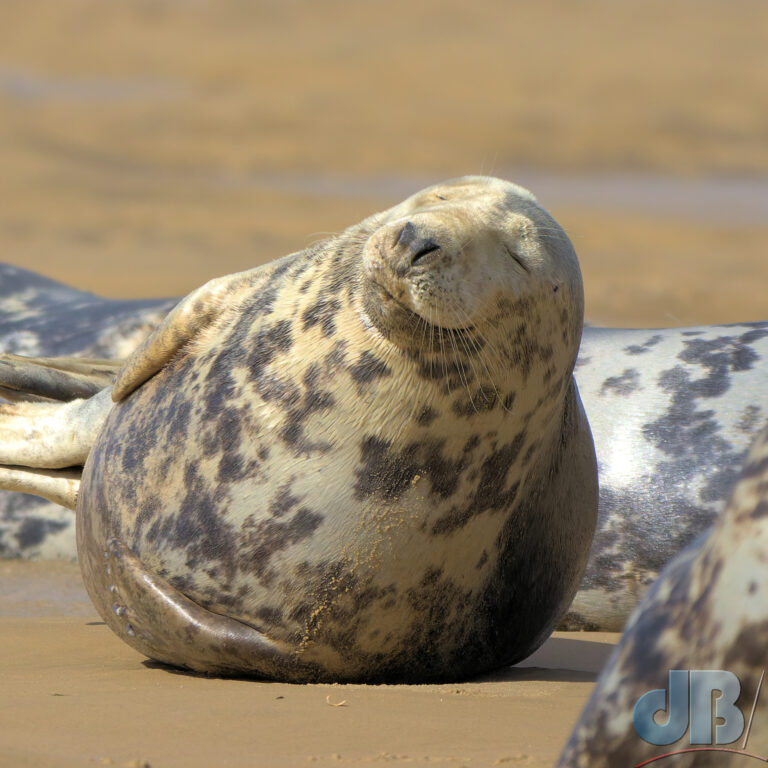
(406, 235)
(415, 245)
(423, 248)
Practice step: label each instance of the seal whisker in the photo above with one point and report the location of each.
(446, 373)
(472, 341)
(465, 339)
(424, 325)
(481, 358)
(460, 367)
(431, 345)
(486, 346)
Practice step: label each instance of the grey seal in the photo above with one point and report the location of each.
(672, 412)
(707, 611)
(40, 317)
(366, 461)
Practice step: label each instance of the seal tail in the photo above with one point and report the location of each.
(56, 409)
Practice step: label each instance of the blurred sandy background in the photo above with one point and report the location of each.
(148, 146)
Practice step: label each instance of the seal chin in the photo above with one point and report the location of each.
(401, 324)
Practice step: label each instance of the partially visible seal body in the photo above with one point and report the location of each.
(41, 317)
(673, 413)
(365, 461)
(707, 611)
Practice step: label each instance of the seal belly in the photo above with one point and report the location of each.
(331, 552)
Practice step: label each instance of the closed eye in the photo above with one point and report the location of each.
(517, 258)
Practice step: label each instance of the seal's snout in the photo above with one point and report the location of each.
(410, 246)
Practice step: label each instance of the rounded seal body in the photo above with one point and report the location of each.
(374, 455)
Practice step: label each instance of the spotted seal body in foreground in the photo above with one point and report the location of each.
(707, 611)
(365, 461)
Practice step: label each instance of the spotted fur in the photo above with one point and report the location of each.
(703, 386)
(708, 610)
(279, 468)
(673, 412)
(40, 317)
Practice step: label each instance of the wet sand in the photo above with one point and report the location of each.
(147, 147)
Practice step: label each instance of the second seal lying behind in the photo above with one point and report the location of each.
(366, 461)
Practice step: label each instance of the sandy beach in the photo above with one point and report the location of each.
(150, 146)
(75, 695)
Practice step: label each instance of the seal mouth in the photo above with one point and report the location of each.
(440, 329)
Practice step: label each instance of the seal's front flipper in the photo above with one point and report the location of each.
(183, 323)
(159, 621)
(35, 379)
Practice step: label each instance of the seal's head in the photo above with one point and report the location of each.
(478, 257)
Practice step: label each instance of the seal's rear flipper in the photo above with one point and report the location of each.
(51, 435)
(37, 437)
(35, 379)
(59, 486)
(159, 621)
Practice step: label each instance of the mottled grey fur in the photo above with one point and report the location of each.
(40, 317)
(708, 610)
(672, 413)
(268, 457)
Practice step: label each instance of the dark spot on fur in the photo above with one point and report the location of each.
(427, 416)
(199, 528)
(639, 349)
(760, 510)
(34, 530)
(532, 448)
(322, 313)
(313, 400)
(626, 384)
(748, 649)
(284, 501)
(368, 368)
(273, 617)
(756, 468)
(388, 474)
(491, 494)
(264, 538)
(482, 400)
(149, 510)
(266, 344)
